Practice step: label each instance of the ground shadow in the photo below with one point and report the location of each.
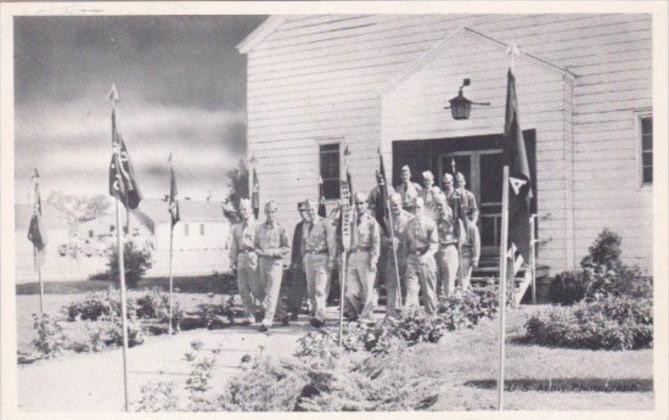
(569, 384)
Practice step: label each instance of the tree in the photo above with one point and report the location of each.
(79, 208)
(239, 188)
(135, 263)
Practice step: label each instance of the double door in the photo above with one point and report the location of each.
(483, 172)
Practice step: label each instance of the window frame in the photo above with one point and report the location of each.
(639, 116)
(327, 141)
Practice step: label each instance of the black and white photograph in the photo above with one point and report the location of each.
(334, 207)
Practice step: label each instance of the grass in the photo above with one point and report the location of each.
(467, 363)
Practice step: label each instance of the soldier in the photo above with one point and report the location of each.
(421, 242)
(361, 295)
(401, 219)
(243, 257)
(319, 261)
(471, 251)
(271, 243)
(298, 282)
(466, 198)
(448, 259)
(430, 195)
(407, 189)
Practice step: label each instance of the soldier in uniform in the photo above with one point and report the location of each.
(408, 190)
(421, 242)
(394, 284)
(466, 198)
(361, 295)
(448, 259)
(430, 195)
(471, 251)
(319, 261)
(298, 282)
(243, 257)
(271, 243)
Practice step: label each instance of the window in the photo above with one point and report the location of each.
(201, 229)
(185, 229)
(646, 150)
(329, 164)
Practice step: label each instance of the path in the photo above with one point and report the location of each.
(94, 382)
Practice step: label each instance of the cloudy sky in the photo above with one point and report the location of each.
(182, 88)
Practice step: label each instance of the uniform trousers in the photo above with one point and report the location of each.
(421, 276)
(466, 273)
(296, 290)
(361, 296)
(448, 262)
(247, 279)
(270, 272)
(394, 284)
(318, 277)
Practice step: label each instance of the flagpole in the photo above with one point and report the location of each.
(533, 258)
(502, 285)
(121, 268)
(39, 279)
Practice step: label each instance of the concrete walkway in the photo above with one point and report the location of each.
(94, 381)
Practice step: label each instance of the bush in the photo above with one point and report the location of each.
(97, 305)
(156, 305)
(50, 339)
(215, 315)
(136, 262)
(613, 323)
(602, 274)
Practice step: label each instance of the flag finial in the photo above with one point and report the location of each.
(113, 93)
(169, 159)
(513, 50)
(35, 175)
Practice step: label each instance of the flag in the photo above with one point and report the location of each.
(255, 194)
(173, 205)
(346, 210)
(520, 182)
(36, 234)
(122, 179)
(381, 204)
(321, 198)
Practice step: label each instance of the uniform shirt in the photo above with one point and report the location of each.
(400, 223)
(473, 241)
(421, 237)
(408, 192)
(429, 197)
(243, 236)
(375, 195)
(446, 228)
(321, 238)
(367, 236)
(467, 202)
(271, 240)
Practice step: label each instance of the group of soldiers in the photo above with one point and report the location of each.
(426, 251)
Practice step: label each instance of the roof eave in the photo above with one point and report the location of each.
(260, 33)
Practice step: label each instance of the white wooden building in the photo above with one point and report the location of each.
(319, 82)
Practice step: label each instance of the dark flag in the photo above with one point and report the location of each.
(520, 182)
(35, 230)
(173, 203)
(122, 179)
(381, 204)
(255, 195)
(321, 198)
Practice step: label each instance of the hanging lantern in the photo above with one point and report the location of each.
(460, 106)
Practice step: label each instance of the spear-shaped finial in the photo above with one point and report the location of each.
(113, 93)
(513, 51)
(35, 176)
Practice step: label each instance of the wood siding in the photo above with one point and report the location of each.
(320, 77)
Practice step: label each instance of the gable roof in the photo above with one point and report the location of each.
(260, 33)
(465, 32)
(189, 211)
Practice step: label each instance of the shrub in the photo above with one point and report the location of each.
(606, 250)
(613, 323)
(114, 331)
(97, 305)
(136, 262)
(156, 304)
(568, 287)
(212, 314)
(160, 396)
(51, 340)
